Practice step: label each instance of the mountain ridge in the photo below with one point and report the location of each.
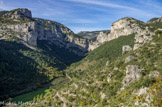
(91, 35)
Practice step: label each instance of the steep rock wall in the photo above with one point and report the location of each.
(127, 26)
(21, 24)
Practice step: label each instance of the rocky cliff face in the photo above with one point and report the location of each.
(99, 39)
(102, 37)
(33, 29)
(124, 27)
(127, 26)
(61, 36)
(95, 38)
(25, 31)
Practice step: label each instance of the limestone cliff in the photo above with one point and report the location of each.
(95, 38)
(61, 36)
(124, 27)
(127, 26)
(20, 23)
(25, 31)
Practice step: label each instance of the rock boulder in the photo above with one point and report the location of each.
(128, 59)
(132, 74)
(126, 48)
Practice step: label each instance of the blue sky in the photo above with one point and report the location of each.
(88, 15)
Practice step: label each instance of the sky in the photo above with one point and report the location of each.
(87, 15)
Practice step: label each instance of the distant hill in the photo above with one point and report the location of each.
(91, 34)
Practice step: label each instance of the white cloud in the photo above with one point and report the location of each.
(54, 9)
(134, 8)
(100, 3)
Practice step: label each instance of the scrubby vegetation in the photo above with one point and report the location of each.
(155, 23)
(150, 60)
(16, 60)
(54, 85)
(83, 72)
(89, 84)
(29, 96)
(109, 51)
(24, 68)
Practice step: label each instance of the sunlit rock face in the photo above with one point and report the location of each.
(25, 31)
(132, 74)
(31, 30)
(127, 26)
(101, 37)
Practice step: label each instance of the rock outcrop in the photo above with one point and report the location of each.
(61, 36)
(126, 48)
(19, 13)
(101, 37)
(25, 31)
(136, 46)
(95, 38)
(124, 27)
(142, 91)
(109, 78)
(132, 74)
(127, 26)
(128, 59)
